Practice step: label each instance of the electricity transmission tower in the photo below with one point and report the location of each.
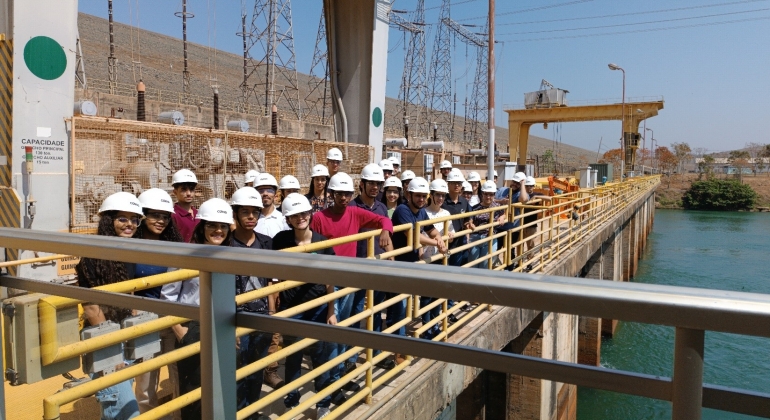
(412, 95)
(318, 99)
(271, 72)
(441, 76)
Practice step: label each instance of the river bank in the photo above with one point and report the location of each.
(671, 189)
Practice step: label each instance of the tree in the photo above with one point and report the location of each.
(682, 152)
(755, 150)
(764, 154)
(719, 194)
(739, 159)
(548, 162)
(613, 157)
(706, 166)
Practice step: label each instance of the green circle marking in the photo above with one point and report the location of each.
(45, 58)
(377, 117)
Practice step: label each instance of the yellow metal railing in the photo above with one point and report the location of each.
(564, 222)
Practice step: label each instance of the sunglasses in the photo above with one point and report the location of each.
(266, 190)
(158, 217)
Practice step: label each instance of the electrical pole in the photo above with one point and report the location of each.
(491, 93)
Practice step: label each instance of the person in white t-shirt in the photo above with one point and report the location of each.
(438, 193)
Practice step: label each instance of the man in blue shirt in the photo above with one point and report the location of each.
(505, 196)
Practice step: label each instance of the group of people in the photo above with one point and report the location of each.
(267, 214)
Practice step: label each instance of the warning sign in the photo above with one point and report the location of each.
(66, 266)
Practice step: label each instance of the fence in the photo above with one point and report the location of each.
(564, 222)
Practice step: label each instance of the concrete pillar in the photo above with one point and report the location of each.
(633, 243)
(524, 394)
(625, 256)
(471, 403)
(589, 341)
(615, 247)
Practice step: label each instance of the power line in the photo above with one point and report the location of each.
(631, 13)
(637, 23)
(639, 30)
(534, 9)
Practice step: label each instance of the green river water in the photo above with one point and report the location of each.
(715, 250)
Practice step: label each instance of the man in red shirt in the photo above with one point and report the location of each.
(184, 183)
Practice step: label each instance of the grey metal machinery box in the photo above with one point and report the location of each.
(145, 346)
(23, 364)
(546, 98)
(102, 360)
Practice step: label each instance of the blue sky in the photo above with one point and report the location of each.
(713, 76)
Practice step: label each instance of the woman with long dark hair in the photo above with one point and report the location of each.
(119, 216)
(391, 194)
(318, 196)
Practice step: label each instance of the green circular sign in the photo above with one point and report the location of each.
(377, 117)
(45, 58)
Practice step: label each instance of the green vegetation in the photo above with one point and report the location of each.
(718, 194)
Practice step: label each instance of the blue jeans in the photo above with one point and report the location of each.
(428, 316)
(357, 306)
(396, 313)
(254, 346)
(479, 251)
(118, 401)
(320, 353)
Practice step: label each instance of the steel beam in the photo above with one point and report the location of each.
(687, 389)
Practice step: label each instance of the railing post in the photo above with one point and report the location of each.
(369, 352)
(687, 389)
(217, 325)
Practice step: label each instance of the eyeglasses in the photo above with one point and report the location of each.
(303, 215)
(217, 226)
(266, 190)
(343, 193)
(134, 220)
(158, 217)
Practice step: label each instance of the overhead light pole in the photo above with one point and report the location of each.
(613, 66)
(652, 139)
(491, 94)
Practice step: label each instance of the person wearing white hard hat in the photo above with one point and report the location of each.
(475, 180)
(184, 183)
(247, 205)
(528, 195)
(387, 168)
(216, 217)
(289, 184)
(119, 216)
(406, 177)
(488, 189)
(250, 178)
(391, 194)
(333, 160)
(467, 190)
(445, 168)
(157, 225)
(298, 213)
(506, 196)
(318, 196)
(494, 173)
(271, 221)
(396, 164)
(455, 204)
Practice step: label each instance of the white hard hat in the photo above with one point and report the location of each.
(386, 165)
(265, 180)
(467, 187)
(184, 176)
(122, 201)
(489, 186)
(519, 177)
(392, 182)
(289, 182)
(295, 203)
(395, 160)
(446, 164)
(334, 154)
(419, 185)
(407, 174)
(439, 185)
(246, 196)
(495, 172)
(341, 182)
(215, 210)
(372, 172)
(251, 176)
(474, 176)
(530, 181)
(319, 170)
(455, 176)
(156, 199)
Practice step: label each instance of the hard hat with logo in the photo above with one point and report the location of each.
(489, 187)
(184, 176)
(439, 185)
(446, 165)
(319, 170)
(334, 154)
(407, 174)
(295, 203)
(455, 176)
(386, 165)
(419, 185)
(156, 199)
(341, 182)
(519, 177)
(122, 201)
(395, 160)
(530, 181)
(467, 187)
(289, 182)
(372, 172)
(474, 176)
(246, 196)
(215, 210)
(251, 176)
(392, 182)
(493, 172)
(265, 180)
